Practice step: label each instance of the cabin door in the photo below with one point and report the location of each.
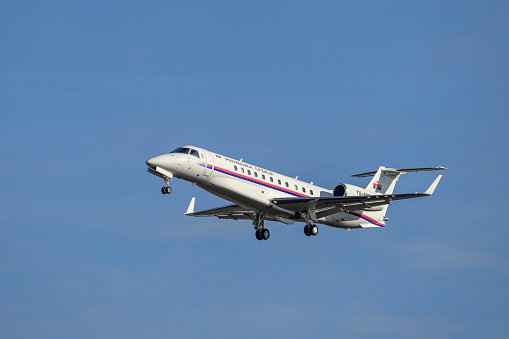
(209, 164)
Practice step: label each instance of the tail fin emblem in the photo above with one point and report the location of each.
(377, 187)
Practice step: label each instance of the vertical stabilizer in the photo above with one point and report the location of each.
(388, 179)
(374, 184)
(383, 180)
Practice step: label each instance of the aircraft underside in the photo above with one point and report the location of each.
(263, 211)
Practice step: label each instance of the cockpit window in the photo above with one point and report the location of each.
(195, 153)
(181, 150)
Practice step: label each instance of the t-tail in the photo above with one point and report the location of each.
(383, 182)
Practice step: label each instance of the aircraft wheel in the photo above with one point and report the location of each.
(166, 190)
(265, 234)
(313, 230)
(258, 235)
(307, 231)
(163, 190)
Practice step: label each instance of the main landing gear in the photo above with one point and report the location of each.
(310, 230)
(309, 216)
(261, 232)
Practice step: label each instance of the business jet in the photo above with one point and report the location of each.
(262, 195)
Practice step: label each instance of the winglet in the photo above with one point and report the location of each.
(431, 189)
(190, 209)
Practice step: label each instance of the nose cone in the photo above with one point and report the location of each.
(163, 161)
(152, 162)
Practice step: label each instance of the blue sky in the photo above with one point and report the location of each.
(322, 89)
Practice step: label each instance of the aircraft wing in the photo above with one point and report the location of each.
(322, 206)
(329, 205)
(234, 212)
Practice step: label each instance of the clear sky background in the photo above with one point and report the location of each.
(89, 247)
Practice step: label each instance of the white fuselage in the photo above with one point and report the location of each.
(251, 186)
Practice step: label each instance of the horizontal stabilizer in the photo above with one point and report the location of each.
(401, 171)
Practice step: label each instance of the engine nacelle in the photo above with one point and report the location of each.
(343, 190)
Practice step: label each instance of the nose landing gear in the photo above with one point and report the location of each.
(166, 190)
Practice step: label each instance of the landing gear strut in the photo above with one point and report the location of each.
(310, 216)
(261, 232)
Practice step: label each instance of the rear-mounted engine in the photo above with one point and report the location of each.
(343, 190)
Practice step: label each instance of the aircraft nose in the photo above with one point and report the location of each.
(163, 160)
(152, 163)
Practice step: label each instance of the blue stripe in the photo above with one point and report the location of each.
(259, 183)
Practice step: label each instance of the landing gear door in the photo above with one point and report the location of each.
(209, 164)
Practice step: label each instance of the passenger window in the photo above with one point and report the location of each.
(195, 153)
(249, 172)
(256, 174)
(311, 191)
(263, 176)
(303, 190)
(242, 169)
(296, 188)
(271, 179)
(286, 183)
(235, 167)
(278, 182)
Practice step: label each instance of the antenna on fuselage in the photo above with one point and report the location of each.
(297, 177)
(241, 159)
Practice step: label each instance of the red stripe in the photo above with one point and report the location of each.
(363, 216)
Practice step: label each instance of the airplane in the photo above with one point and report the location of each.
(262, 195)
